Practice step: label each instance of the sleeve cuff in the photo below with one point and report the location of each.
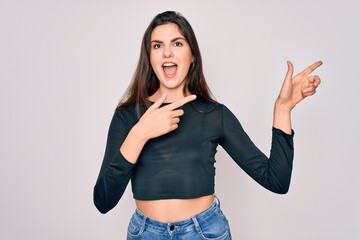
(283, 138)
(120, 161)
(281, 132)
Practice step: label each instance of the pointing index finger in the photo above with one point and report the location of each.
(181, 102)
(158, 103)
(312, 67)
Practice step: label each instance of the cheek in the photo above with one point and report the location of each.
(153, 64)
(153, 57)
(189, 57)
(189, 60)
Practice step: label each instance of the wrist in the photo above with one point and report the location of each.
(282, 106)
(138, 133)
(282, 117)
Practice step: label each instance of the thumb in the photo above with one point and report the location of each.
(158, 103)
(290, 72)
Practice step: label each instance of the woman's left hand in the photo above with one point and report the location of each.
(295, 89)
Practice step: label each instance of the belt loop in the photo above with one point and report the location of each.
(196, 223)
(143, 223)
(217, 201)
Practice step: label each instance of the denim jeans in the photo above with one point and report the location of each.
(211, 224)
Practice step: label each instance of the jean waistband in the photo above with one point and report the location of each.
(198, 218)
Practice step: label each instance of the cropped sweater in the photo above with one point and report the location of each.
(180, 164)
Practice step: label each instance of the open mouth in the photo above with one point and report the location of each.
(169, 69)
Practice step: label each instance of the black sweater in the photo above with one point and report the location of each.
(180, 164)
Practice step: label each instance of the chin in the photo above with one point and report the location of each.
(172, 84)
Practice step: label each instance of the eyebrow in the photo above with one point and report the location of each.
(173, 40)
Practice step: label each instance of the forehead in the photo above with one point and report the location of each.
(166, 31)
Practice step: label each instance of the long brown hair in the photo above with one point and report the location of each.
(145, 83)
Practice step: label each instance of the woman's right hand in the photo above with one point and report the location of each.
(157, 121)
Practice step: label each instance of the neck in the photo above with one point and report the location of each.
(171, 95)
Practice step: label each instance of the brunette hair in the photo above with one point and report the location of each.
(145, 83)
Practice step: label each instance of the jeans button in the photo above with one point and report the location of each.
(172, 227)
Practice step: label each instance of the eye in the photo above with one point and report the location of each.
(157, 45)
(178, 44)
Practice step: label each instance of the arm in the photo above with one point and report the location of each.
(115, 170)
(273, 173)
(124, 147)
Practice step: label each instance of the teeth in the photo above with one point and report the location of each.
(168, 64)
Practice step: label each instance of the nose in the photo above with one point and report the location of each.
(167, 53)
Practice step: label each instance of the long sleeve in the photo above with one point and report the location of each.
(273, 173)
(115, 170)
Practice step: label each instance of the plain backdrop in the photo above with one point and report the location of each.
(65, 64)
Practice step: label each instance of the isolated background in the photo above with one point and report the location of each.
(65, 64)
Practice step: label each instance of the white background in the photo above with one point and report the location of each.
(65, 64)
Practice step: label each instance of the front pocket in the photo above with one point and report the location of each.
(135, 228)
(215, 235)
(215, 228)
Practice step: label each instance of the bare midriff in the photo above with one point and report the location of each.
(173, 210)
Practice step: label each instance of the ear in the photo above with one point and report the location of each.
(192, 59)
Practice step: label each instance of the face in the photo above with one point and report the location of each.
(170, 56)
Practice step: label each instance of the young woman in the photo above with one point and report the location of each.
(164, 135)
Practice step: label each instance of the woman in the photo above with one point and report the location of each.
(164, 134)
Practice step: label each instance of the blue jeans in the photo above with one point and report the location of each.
(211, 224)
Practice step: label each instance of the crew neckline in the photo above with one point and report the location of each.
(166, 103)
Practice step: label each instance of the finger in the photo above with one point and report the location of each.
(177, 113)
(311, 68)
(309, 93)
(158, 103)
(173, 127)
(181, 102)
(175, 121)
(309, 89)
(311, 79)
(317, 81)
(289, 72)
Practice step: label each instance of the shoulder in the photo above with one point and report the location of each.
(226, 115)
(224, 109)
(212, 107)
(126, 113)
(125, 107)
(206, 106)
